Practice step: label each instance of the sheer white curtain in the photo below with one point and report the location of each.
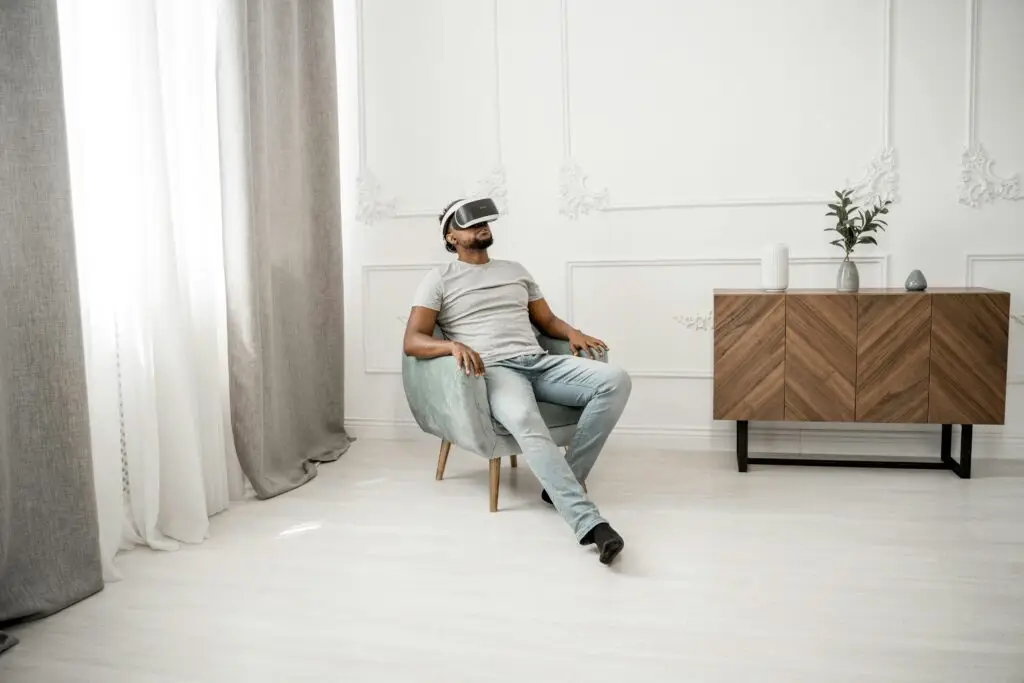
(140, 92)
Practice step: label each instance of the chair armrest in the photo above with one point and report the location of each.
(449, 404)
(558, 347)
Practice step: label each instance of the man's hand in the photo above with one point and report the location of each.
(467, 359)
(581, 343)
(552, 326)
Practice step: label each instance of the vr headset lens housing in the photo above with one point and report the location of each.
(471, 213)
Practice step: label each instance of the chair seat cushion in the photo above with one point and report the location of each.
(554, 415)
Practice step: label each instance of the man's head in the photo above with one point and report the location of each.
(466, 223)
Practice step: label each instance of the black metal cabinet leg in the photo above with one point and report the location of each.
(962, 468)
(947, 444)
(741, 445)
(966, 439)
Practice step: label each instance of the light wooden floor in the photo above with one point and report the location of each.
(375, 572)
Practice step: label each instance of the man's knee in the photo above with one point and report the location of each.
(617, 381)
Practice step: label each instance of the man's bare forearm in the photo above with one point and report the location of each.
(425, 346)
(556, 328)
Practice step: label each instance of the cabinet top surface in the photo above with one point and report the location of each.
(890, 291)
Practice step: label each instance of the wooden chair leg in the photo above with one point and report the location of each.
(495, 465)
(442, 459)
(515, 461)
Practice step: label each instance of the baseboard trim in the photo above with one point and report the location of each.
(382, 429)
(907, 440)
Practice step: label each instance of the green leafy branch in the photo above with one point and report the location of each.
(856, 225)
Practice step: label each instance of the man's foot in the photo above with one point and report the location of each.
(609, 543)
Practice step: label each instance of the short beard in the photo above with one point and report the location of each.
(480, 244)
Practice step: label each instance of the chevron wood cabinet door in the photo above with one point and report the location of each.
(749, 356)
(893, 347)
(969, 346)
(821, 357)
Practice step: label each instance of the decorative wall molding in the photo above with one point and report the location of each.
(576, 198)
(373, 202)
(698, 322)
(372, 205)
(973, 259)
(493, 185)
(365, 303)
(1016, 318)
(701, 321)
(882, 259)
(879, 182)
(880, 179)
(979, 184)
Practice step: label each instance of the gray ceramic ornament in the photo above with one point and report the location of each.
(916, 282)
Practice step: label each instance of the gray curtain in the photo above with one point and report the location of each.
(277, 97)
(49, 540)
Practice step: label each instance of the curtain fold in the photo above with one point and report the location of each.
(140, 84)
(280, 188)
(49, 542)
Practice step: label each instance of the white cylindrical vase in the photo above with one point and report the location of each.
(775, 268)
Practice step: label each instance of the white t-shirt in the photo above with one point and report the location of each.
(484, 307)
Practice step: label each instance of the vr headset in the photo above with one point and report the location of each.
(470, 212)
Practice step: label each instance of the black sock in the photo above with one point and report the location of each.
(607, 540)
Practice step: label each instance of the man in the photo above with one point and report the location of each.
(485, 308)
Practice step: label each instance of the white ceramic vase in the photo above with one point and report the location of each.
(775, 268)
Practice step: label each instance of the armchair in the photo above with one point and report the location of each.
(453, 407)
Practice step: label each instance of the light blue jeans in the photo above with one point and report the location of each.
(513, 389)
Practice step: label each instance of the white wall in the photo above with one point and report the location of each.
(645, 152)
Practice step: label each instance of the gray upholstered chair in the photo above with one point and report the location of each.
(453, 407)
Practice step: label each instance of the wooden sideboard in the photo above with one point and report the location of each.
(874, 356)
